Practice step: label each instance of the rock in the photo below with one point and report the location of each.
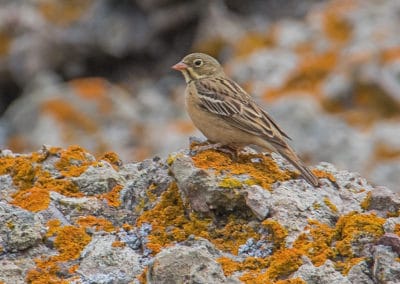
(101, 262)
(385, 268)
(140, 177)
(390, 240)
(383, 199)
(19, 229)
(324, 274)
(186, 264)
(97, 180)
(360, 274)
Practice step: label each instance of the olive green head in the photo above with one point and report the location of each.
(198, 66)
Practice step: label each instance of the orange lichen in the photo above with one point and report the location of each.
(316, 243)
(99, 224)
(253, 264)
(365, 204)
(281, 264)
(5, 41)
(397, 229)
(308, 76)
(169, 213)
(65, 113)
(118, 244)
(265, 172)
(20, 169)
(353, 226)
(330, 205)
(276, 233)
(34, 199)
(252, 41)
(324, 174)
(73, 161)
(112, 197)
(112, 158)
(170, 224)
(345, 266)
(69, 241)
(384, 152)
(291, 281)
(63, 13)
(336, 27)
(94, 89)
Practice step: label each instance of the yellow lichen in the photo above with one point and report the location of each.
(265, 172)
(112, 158)
(229, 182)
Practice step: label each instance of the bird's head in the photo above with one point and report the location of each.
(198, 66)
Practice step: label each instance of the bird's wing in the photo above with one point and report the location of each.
(225, 98)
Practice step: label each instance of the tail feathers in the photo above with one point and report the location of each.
(291, 156)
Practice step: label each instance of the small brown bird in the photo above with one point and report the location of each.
(227, 115)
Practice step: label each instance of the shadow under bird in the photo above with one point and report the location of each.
(226, 114)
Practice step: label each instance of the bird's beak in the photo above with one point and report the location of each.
(179, 66)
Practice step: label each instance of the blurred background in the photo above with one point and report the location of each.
(97, 73)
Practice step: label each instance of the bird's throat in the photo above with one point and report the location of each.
(190, 75)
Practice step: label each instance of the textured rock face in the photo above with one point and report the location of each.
(197, 217)
(329, 78)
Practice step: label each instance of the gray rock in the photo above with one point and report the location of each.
(184, 264)
(140, 176)
(324, 274)
(360, 274)
(98, 180)
(103, 263)
(19, 229)
(383, 199)
(11, 272)
(390, 224)
(386, 270)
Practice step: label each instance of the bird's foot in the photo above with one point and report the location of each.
(232, 152)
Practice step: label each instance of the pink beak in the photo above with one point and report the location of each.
(179, 66)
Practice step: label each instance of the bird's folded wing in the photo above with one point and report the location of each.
(225, 98)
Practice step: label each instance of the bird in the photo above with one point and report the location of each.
(227, 115)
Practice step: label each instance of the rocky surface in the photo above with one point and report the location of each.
(196, 217)
(327, 71)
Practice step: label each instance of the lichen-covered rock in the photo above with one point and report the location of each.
(194, 264)
(116, 264)
(199, 216)
(324, 274)
(19, 229)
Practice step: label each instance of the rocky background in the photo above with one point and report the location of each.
(97, 74)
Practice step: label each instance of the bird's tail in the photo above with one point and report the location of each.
(291, 156)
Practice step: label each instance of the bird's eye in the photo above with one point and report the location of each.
(198, 62)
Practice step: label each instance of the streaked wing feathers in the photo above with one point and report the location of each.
(225, 98)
